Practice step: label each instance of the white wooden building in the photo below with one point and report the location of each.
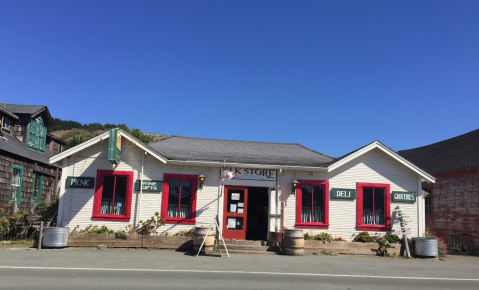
(248, 185)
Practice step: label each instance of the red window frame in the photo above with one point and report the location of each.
(97, 216)
(387, 207)
(166, 191)
(299, 204)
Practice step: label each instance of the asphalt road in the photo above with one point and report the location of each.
(142, 269)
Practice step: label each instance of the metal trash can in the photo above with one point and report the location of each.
(426, 247)
(55, 237)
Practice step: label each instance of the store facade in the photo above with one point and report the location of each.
(254, 188)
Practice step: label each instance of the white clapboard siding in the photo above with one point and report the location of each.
(78, 203)
(372, 167)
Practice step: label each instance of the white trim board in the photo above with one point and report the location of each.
(97, 139)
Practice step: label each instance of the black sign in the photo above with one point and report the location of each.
(341, 193)
(80, 182)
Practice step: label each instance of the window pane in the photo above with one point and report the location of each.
(31, 133)
(107, 195)
(173, 198)
(37, 189)
(120, 195)
(306, 201)
(379, 206)
(368, 206)
(15, 184)
(185, 199)
(318, 202)
(235, 197)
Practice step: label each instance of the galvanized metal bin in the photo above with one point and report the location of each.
(426, 247)
(55, 237)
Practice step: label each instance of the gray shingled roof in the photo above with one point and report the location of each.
(198, 149)
(14, 146)
(24, 109)
(33, 110)
(454, 154)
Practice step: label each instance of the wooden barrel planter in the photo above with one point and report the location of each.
(293, 242)
(199, 236)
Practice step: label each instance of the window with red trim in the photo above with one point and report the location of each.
(113, 195)
(179, 198)
(312, 204)
(373, 207)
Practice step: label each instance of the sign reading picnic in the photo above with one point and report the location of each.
(253, 173)
(80, 182)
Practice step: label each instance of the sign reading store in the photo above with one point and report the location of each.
(253, 173)
(80, 182)
(403, 196)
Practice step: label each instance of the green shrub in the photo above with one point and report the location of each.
(150, 226)
(324, 237)
(95, 230)
(392, 238)
(121, 235)
(48, 212)
(363, 237)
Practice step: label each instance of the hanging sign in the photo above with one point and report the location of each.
(341, 193)
(253, 173)
(150, 185)
(114, 146)
(403, 196)
(80, 182)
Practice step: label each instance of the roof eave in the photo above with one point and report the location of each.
(245, 165)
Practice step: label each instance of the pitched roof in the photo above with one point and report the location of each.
(453, 154)
(213, 150)
(13, 145)
(32, 110)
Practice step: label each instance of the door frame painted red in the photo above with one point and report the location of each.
(234, 234)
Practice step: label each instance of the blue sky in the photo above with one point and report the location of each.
(331, 75)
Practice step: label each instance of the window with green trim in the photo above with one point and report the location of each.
(37, 133)
(16, 190)
(37, 188)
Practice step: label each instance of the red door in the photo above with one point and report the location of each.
(235, 209)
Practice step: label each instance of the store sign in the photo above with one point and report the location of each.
(403, 196)
(80, 182)
(341, 193)
(253, 173)
(151, 185)
(114, 146)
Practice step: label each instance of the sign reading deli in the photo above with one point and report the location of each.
(253, 173)
(114, 146)
(341, 193)
(402, 196)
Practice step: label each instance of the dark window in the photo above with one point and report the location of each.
(179, 198)
(113, 195)
(312, 202)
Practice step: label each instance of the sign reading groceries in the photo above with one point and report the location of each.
(252, 173)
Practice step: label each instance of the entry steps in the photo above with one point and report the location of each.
(249, 247)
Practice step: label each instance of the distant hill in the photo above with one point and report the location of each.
(74, 133)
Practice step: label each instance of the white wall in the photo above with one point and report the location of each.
(373, 167)
(78, 203)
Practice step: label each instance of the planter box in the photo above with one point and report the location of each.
(133, 241)
(347, 247)
(164, 242)
(90, 240)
